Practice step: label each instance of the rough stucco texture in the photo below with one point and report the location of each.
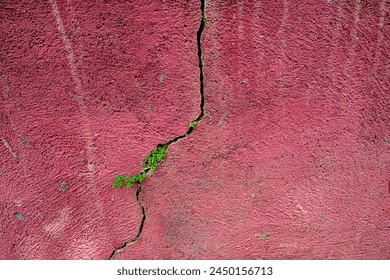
(88, 88)
(291, 160)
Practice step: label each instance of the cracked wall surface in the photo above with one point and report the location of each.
(290, 161)
(156, 156)
(292, 158)
(88, 88)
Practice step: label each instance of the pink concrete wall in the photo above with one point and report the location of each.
(291, 160)
(88, 88)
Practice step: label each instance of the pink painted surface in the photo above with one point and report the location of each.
(291, 160)
(87, 90)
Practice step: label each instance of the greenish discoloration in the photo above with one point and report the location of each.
(63, 186)
(18, 215)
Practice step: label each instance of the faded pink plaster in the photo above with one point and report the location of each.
(292, 158)
(88, 88)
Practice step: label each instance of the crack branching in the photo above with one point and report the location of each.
(157, 155)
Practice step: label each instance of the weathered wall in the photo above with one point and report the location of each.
(291, 160)
(88, 88)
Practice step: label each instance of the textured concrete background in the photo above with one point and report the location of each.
(88, 88)
(291, 160)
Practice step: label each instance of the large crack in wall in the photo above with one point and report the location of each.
(147, 169)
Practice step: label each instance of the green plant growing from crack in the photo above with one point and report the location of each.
(157, 155)
(193, 124)
(150, 164)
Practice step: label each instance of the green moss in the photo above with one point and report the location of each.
(192, 124)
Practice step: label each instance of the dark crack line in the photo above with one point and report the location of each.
(135, 240)
(185, 135)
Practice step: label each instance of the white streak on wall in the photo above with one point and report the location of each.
(90, 168)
